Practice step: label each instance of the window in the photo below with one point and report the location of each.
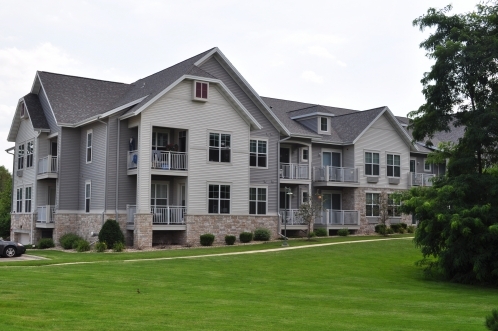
(393, 206)
(427, 165)
(89, 136)
(20, 157)
(324, 124)
(29, 154)
(159, 195)
(88, 195)
(258, 153)
(372, 204)
(219, 147)
(27, 200)
(19, 201)
(393, 165)
(219, 199)
(304, 196)
(201, 91)
(304, 154)
(257, 200)
(371, 164)
(23, 110)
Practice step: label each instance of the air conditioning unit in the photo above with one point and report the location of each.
(19, 173)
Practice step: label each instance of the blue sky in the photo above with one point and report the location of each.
(351, 54)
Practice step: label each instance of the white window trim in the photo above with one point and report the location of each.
(30, 199)
(372, 192)
(387, 165)
(89, 132)
(302, 195)
(88, 182)
(208, 146)
(266, 201)
(23, 111)
(194, 86)
(394, 206)
(19, 210)
(257, 153)
(365, 163)
(20, 165)
(301, 152)
(161, 182)
(319, 120)
(32, 154)
(427, 164)
(219, 199)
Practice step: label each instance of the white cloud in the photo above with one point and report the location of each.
(320, 51)
(311, 76)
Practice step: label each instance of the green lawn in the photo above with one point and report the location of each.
(358, 286)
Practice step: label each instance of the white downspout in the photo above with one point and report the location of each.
(105, 176)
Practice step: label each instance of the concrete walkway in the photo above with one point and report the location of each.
(23, 257)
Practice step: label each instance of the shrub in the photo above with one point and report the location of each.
(396, 227)
(100, 246)
(262, 234)
(321, 232)
(111, 233)
(343, 232)
(230, 240)
(380, 229)
(207, 239)
(82, 245)
(410, 229)
(67, 240)
(402, 230)
(118, 247)
(404, 225)
(245, 237)
(389, 231)
(46, 243)
(492, 320)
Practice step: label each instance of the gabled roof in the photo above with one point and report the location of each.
(349, 127)
(35, 115)
(74, 99)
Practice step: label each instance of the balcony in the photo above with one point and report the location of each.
(335, 176)
(45, 216)
(164, 217)
(416, 179)
(47, 167)
(338, 219)
(161, 162)
(291, 172)
(290, 216)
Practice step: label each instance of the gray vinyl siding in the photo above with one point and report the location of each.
(69, 169)
(177, 110)
(383, 138)
(25, 134)
(95, 170)
(269, 132)
(127, 184)
(348, 156)
(310, 123)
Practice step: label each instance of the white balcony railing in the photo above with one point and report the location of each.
(416, 179)
(132, 159)
(339, 217)
(48, 164)
(168, 215)
(294, 171)
(291, 216)
(45, 214)
(335, 174)
(131, 210)
(169, 160)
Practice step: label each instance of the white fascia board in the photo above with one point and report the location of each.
(15, 122)
(129, 104)
(216, 50)
(312, 114)
(328, 142)
(53, 135)
(10, 149)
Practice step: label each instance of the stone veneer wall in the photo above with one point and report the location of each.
(222, 225)
(23, 223)
(142, 235)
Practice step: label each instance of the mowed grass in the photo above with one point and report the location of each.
(357, 286)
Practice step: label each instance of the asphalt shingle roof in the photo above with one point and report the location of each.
(35, 111)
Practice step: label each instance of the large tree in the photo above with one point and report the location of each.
(5, 201)
(458, 215)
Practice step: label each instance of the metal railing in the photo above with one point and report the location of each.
(291, 216)
(48, 164)
(132, 160)
(420, 179)
(45, 214)
(335, 174)
(294, 171)
(168, 215)
(339, 217)
(131, 210)
(169, 160)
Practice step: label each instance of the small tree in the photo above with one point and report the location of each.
(383, 212)
(111, 233)
(492, 320)
(309, 210)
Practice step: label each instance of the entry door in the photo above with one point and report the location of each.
(183, 195)
(284, 196)
(331, 203)
(412, 166)
(332, 159)
(53, 148)
(182, 141)
(284, 155)
(159, 195)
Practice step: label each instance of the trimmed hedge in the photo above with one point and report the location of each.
(230, 240)
(343, 232)
(67, 240)
(321, 232)
(245, 237)
(100, 246)
(262, 234)
(82, 245)
(111, 233)
(380, 228)
(46, 243)
(207, 239)
(118, 247)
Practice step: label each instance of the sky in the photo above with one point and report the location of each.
(353, 54)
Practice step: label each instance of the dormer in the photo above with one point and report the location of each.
(200, 91)
(319, 122)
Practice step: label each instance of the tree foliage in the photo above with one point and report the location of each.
(309, 210)
(5, 201)
(458, 215)
(111, 233)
